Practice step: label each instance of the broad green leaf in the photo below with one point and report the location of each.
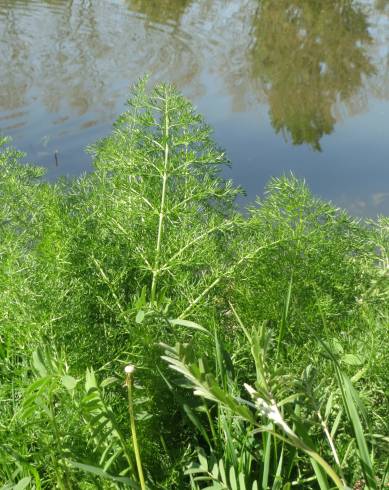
(223, 472)
(353, 360)
(38, 363)
(140, 316)
(242, 482)
(203, 460)
(103, 474)
(189, 324)
(233, 480)
(23, 483)
(69, 382)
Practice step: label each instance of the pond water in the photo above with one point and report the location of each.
(296, 86)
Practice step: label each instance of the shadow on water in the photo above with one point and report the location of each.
(308, 57)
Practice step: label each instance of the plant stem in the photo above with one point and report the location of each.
(332, 445)
(248, 256)
(62, 480)
(156, 269)
(133, 433)
(284, 318)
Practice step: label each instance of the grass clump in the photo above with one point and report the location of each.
(278, 319)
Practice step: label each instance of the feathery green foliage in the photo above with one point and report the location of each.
(95, 273)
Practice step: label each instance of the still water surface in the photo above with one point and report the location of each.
(288, 85)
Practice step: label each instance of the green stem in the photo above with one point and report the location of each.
(210, 421)
(284, 318)
(156, 269)
(62, 480)
(133, 433)
(249, 256)
(332, 445)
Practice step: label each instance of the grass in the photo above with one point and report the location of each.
(259, 338)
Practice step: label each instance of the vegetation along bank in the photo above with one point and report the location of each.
(154, 336)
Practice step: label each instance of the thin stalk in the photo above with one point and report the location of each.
(109, 284)
(303, 480)
(284, 317)
(195, 240)
(186, 312)
(299, 444)
(129, 371)
(62, 480)
(332, 444)
(266, 439)
(210, 421)
(156, 269)
(214, 283)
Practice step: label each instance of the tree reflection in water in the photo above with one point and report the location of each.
(68, 64)
(308, 56)
(160, 11)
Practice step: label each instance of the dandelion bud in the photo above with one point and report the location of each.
(129, 369)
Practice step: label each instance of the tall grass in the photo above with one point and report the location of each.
(279, 415)
(149, 248)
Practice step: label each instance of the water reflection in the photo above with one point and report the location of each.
(309, 56)
(381, 4)
(66, 66)
(160, 11)
(303, 57)
(78, 57)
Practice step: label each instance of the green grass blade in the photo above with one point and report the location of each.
(348, 394)
(267, 443)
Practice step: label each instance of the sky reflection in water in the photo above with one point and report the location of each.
(292, 85)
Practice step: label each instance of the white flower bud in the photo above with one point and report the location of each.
(129, 369)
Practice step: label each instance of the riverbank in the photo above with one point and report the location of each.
(275, 322)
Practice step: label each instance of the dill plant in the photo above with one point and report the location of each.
(325, 257)
(149, 225)
(161, 170)
(26, 303)
(155, 215)
(99, 267)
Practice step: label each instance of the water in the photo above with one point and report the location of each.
(288, 85)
